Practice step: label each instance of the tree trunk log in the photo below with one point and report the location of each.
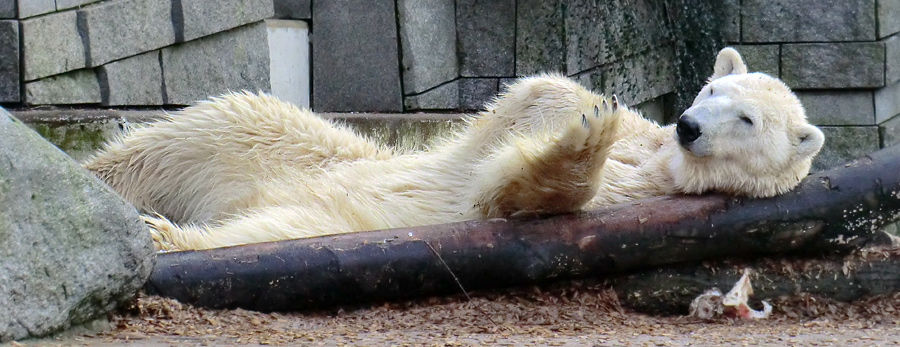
(835, 210)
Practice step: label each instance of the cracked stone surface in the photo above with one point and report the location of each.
(71, 249)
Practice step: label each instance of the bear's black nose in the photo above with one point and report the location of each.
(688, 130)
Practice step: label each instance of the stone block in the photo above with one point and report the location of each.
(9, 61)
(119, 29)
(833, 65)
(890, 132)
(653, 109)
(76, 87)
(428, 40)
(51, 45)
(67, 4)
(887, 102)
(31, 8)
(635, 79)
(731, 30)
(238, 60)
(762, 58)
(845, 107)
(289, 60)
(888, 17)
(845, 143)
(475, 93)
(602, 32)
(486, 31)
(892, 60)
(540, 37)
(8, 9)
(132, 81)
(444, 97)
(204, 17)
(356, 56)
(808, 21)
(293, 9)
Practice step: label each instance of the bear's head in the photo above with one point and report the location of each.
(745, 134)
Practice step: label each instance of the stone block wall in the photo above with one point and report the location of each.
(146, 52)
(842, 58)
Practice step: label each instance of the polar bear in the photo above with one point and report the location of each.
(246, 168)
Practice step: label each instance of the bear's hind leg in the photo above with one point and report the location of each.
(560, 175)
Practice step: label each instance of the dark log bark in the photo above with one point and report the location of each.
(670, 290)
(836, 210)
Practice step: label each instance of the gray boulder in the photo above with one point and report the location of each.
(70, 248)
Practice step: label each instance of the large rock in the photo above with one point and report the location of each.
(71, 249)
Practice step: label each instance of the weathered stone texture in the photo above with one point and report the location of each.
(428, 38)
(76, 87)
(51, 45)
(892, 60)
(833, 65)
(204, 17)
(602, 32)
(838, 107)
(762, 58)
(293, 9)
(808, 21)
(445, 97)
(890, 132)
(123, 28)
(888, 17)
(487, 37)
(356, 56)
(31, 8)
(67, 4)
(635, 79)
(233, 60)
(72, 249)
(133, 81)
(9, 61)
(731, 30)
(846, 143)
(540, 37)
(8, 9)
(887, 102)
(474, 93)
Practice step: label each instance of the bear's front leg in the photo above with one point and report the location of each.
(556, 176)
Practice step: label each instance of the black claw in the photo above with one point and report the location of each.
(596, 111)
(584, 121)
(615, 102)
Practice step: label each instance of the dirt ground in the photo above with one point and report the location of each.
(570, 314)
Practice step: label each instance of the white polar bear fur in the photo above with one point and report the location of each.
(247, 168)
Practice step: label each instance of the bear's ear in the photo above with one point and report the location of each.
(728, 62)
(809, 141)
